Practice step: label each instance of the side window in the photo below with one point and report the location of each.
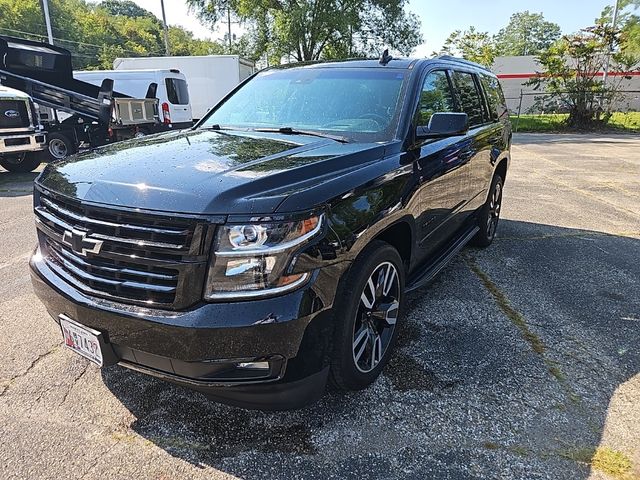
(470, 99)
(177, 91)
(495, 96)
(435, 97)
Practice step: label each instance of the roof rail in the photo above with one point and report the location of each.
(461, 60)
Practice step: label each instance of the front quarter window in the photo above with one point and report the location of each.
(361, 103)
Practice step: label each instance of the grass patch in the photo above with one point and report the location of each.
(612, 462)
(604, 459)
(555, 122)
(511, 313)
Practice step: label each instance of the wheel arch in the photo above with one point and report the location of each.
(501, 168)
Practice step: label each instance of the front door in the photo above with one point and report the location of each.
(441, 168)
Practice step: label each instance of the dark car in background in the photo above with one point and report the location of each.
(271, 248)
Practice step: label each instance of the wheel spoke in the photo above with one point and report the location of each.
(390, 277)
(382, 275)
(392, 314)
(376, 351)
(368, 303)
(360, 343)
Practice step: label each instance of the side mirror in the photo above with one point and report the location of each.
(444, 124)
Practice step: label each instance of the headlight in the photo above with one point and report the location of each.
(252, 259)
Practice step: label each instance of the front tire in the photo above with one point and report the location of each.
(490, 214)
(369, 312)
(26, 162)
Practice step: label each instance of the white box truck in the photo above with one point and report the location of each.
(172, 91)
(210, 77)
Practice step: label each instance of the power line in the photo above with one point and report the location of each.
(155, 52)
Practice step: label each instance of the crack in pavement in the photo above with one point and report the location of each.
(518, 319)
(99, 457)
(40, 357)
(73, 383)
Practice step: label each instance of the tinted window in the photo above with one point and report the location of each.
(360, 103)
(470, 99)
(177, 91)
(495, 96)
(435, 97)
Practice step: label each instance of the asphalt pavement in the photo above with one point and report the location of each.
(521, 361)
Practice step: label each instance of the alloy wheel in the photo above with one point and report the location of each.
(494, 209)
(376, 317)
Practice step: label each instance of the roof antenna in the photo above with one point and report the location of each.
(385, 57)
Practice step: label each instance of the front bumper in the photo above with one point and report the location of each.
(201, 348)
(22, 142)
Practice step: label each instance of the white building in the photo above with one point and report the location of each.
(514, 72)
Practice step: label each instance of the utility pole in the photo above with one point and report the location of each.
(605, 76)
(166, 29)
(47, 20)
(229, 24)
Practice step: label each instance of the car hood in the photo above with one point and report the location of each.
(205, 171)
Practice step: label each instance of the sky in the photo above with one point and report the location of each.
(439, 17)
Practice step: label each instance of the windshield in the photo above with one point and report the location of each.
(358, 103)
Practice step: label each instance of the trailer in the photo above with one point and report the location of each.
(96, 115)
(210, 77)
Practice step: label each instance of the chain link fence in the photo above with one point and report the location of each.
(542, 111)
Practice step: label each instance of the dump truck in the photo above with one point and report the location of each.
(93, 115)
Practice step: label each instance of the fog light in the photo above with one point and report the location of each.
(254, 365)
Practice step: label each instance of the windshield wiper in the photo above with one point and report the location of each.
(216, 126)
(295, 131)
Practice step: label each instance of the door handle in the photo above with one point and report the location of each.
(465, 156)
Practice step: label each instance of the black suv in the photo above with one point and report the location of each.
(271, 248)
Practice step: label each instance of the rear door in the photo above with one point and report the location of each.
(479, 140)
(499, 129)
(178, 99)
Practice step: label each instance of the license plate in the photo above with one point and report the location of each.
(82, 340)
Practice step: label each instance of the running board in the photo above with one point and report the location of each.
(434, 268)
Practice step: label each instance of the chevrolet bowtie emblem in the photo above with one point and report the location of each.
(80, 243)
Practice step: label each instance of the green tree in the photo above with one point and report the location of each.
(98, 33)
(471, 45)
(628, 22)
(128, 8)
(315, 29)
(570, 74)
(526, 34)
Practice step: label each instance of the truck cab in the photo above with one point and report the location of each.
(21, 135)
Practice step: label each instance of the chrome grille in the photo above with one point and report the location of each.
(145, 259)
(14, 114)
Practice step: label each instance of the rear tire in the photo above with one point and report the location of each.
(60, 146)
(489, 214)
(369, 310)
(26, 162)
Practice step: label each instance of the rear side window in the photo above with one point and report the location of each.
(177, 91)
(495, 97)
(470, 99)
(435, 97)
